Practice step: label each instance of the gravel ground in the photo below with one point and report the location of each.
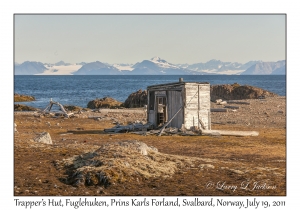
(269, 112)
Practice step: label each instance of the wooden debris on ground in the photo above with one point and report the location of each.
(231, 107)
(47, 110)
(238, 102)
(218, 110)
(229, 133)
(147, 129)
(128, 128)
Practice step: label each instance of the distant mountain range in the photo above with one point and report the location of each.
(266, 68)
(154, 66)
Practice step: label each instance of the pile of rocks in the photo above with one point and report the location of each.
(136, 99)
(237, 92)
(105, 102)
(21, 107)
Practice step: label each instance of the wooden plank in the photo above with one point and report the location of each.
(230, 133)
(160, 93)
(209, 121)
(232, 107)
(218, 110)
(151, 117)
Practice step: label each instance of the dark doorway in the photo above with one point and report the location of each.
(161, 110)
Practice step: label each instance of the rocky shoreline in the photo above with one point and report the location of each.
(139, 98)
(23, 98)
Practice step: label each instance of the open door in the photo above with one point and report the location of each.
(161, 110)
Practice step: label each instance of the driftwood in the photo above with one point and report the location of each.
(48, 108)
(232, 107)
(237, 102)
(229, 133)
(218, 110)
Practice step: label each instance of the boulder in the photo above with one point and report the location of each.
(105, 102)
(72, 108)
(136, 99)
(44, 138)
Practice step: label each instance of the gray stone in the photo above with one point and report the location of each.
(44, 138)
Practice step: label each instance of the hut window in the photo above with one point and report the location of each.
(161, 100)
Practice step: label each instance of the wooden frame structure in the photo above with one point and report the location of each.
(51, 103)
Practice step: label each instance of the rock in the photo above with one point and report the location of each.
(44, 138)
(21, 107)
(21, 98)
(136, 99)
(105, 102)
(218, 101)
(72, 108)
(15, 127)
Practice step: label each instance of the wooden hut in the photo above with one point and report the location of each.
(181, 105)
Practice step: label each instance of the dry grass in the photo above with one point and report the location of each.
(119, 162)
(183, 165)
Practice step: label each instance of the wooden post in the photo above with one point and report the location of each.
(198, 107)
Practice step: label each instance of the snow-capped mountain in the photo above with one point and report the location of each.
(158, 66)
(163, 63)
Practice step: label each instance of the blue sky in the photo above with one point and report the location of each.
(133, 38)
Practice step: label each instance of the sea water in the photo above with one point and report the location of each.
(80, 89)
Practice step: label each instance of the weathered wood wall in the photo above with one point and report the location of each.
(197, 106)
